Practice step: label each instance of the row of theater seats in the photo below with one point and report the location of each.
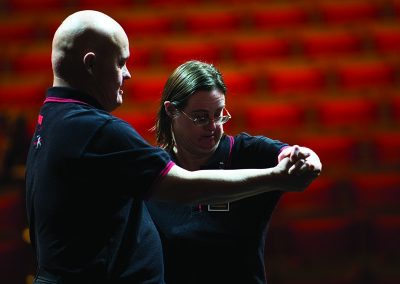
(360, 196)
(291, 80)
(271, 17)
(320, 49)
(333, 124)
(335, 250)
(277, 12)
(14, 251)
(343, 229)
(319, 46)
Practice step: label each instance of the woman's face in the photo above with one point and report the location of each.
(199, 140)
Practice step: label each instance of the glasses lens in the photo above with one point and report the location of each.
(205, 120)
(224, 119)
(201, 121)
(218, 120)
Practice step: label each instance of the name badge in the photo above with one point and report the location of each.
(224, 207)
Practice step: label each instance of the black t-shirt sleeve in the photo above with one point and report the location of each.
(119, 158)
(256, 151)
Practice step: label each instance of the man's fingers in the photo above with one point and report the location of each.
(296, 166)
(294, 154)
(297, 153)
(303, 166)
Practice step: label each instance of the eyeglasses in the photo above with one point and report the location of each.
(204, 119)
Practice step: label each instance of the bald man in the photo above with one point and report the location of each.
(88, 172)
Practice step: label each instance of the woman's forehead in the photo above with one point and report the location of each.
(207, 99)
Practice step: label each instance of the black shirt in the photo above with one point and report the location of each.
(86, 177)
(225, 243)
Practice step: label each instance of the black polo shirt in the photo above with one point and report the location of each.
(221, 243)
(87, 174)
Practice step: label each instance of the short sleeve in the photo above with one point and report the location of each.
(119, 159)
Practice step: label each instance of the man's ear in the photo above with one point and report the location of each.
(170, 109)
(89, 61)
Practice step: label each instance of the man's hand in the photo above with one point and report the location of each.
(304, 160)
(298, 167)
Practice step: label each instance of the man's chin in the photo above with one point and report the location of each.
(119, 101)
(116, 105)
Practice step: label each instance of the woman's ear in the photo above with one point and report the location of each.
(170, 109)
(89, 61)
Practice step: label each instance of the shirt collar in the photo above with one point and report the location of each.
(66, 94)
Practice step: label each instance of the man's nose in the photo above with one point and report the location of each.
(126, 74)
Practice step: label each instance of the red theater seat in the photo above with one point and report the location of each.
(176, 53)
(280, 16)
(100, 4)
(16, 30)
(365, 75)
(337, 152)
(384, 247)
(141, 57)
(339, 12)
(238, 1)
(386, 149)
(295, 79)
(347, 112)
(14, 257)
(240, 84)
(37, 5)
(23, 94)
(320, 198)
(379, 192)
(395, 109)
(33, 60)
(328, 43)
(277, 117)
(386, 40)
(396, 7)
(211, 22)
(173, 3)
(337, 275)
(11, 209)
(258, 49)
(332, 237)
(146, 88)
(385, 233)
(146, 25)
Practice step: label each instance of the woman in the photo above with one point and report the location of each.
(215, 243)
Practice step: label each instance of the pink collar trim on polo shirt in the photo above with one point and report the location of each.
(62, 100)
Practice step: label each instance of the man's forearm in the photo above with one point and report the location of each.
(209, 186)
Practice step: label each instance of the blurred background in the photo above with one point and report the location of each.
(319, 73)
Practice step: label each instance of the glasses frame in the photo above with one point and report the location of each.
(223, 119)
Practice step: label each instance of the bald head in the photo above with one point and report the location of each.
(82, 43)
